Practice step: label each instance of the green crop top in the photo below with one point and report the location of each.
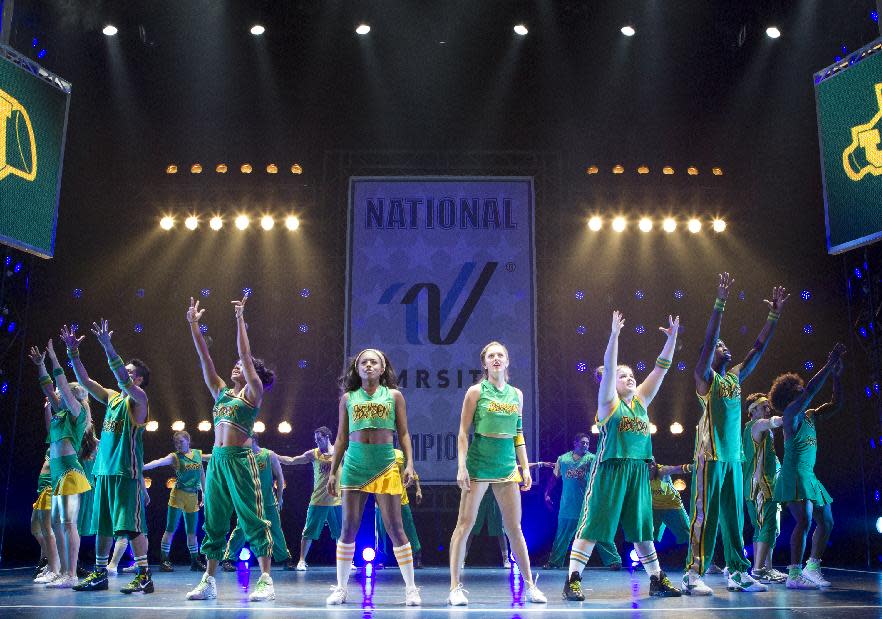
(235, 410)
(65, 425)
(371, 411)
(498, 411)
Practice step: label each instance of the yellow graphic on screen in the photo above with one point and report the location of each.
(18, 147)
(864, 154)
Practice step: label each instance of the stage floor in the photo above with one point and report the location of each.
(493, 592)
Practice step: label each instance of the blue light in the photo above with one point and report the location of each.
(11, 327)
(244, 554)
(247, 291)
(641, 366)
(139, 293)
(638, 294)
(838, 59)
(205, 292)
(844, 49)
(681, 366)
(879, 525)
(305, 293)
(863, 331)
(41, 53)
(876, 496)
(368, 554)
(869, 393)
(808, 329)
(17, 267)
(70, 364)
(640, 329)
(581, 366)
(874, 15)
(34, 43)
(8, 260)
(303, 327)
(77, 293)
(806, 294)
(581, 329)
(858, 273)
(303, 364)
(872, 443)
(74, 326)
(679, 294)
(203, 329)
(580, 294)
(743, 330)
(4, 387)
(2, 320)
(876, 387)
(633, 555)
(138, 327)
(809, 366)
(742, 295)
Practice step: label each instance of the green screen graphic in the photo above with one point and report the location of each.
(849, 125)
(33, 116)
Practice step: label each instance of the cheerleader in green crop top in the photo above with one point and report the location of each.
(232, 482)
(371, 410)
(618, 490)
(797, 487)
(496, 409)
(66, 425)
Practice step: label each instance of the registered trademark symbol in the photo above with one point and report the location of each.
(510, 267)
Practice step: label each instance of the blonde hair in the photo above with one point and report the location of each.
(484, 354)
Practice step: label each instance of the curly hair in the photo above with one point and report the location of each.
(266, 375)
(753, 397)
(351, 381)
(141, 370)
(785, 389)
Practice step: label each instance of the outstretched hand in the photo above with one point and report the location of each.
(618, 321)
(723, 287)
(69, 337)
(673, 326)
(194, 313)
(239, 306)
(102, 331)
(50, 350)
(38, 358)
(779, 295)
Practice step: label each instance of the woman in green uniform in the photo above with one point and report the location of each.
(618, 491)
(371, 409)
(41, 521)
(496, 409)
(184, 500)
(232, 483)
(797, 486)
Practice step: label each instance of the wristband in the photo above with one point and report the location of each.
(73, 353)
(663, 363)
(519, 440)
(115, 363)
(57, 372)
(719, 305)
(45, 381)
(774, 316)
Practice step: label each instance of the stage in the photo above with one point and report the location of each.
(854, 593)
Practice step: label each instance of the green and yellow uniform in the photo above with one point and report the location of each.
(760, 471)
(717, 486)
(271, 509)
(183, 500)
(323, 508)
(118, 509)
(797, 481)
(371, 467)
(668, 511)
(574, 474)
(232, 483)
(68, 476)
(618, 488)
(492, 458)
(85, 525)
(44, 487)
(406, 517)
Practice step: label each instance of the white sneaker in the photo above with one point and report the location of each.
(62, 582)
(205, 590)
(536, 596)
(301, 566)
(412, 597)
(815, 576)
(111, 570)
(42, 572)
(694, 585)
(777, 575)
(337, 597)
(263, 590)
(46, 578)
(800, 582)
(743, 582)
(457, 596)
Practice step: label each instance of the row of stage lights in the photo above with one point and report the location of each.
(644, 169)
(646, 224)
(245, 168)
(205, 426)
(241, 221)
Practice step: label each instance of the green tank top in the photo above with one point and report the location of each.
(64, 425)
(719, 429)
(371, 411)
(266, 476)
(801, 449)
(121, 448)
(235, 410)
(625, 433)
(188, 470)
(321, 470)
(760, 464)
(498, 410)
(574, 478)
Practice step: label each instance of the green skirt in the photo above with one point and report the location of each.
(372, 468)
(68, 475)
(492, 459)
(800, 485)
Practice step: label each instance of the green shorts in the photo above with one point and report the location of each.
(492, 459)
(765, 517)
(676, 520)
(618, 493)
(489, 514)
(118, 510)
(800, 485)
(173, 520)
(369, 467)
(85, 524)
(318, 515)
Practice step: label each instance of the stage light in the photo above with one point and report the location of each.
(628, 31)
(808, 328)
(247, 291)
(521, 30)
(692, 171)
(653, 428)
(595, 223)
(305, 293)
(178, 426)
(246, 168)
(204, 426)
(809, 366)
(595, 429)
(641, 366)
(634, 556)
(719, 225)
(203, 329)
(879, 525)
(806, 295)
(192, 222)
(640, 330)
(138, 327)
(10, 327)
(676, 428)
(581, 366)
(285, 427)
(216, 222)
(618, 169)
(874, 15)
(581, 329)
(580, 294)
(667, 170)
(717, 171)
(257, 30)
(244, 554)
(772, 32)
(171, 169)
(272, 169)
(170, 483)
(303, 364)
(139, 293)
(639, 294)
(196, 168)
(679, 294)
(167, 222)
(643, 170)
(669, 224)
(593, 169)
(291, 222)
(645, 224)
(679, 485)
(221, 168)
(267, 222)
(618, 224)
(694, 226)
(681, 366)
(152, 426)
(296, 169)
(17, 267)
(110, 30)
(303, 327)
(362, 29)
(259, 427)
(4, 387)
(242, 221)
(858, 273)
(863, 331)
(77, 293)
(368, 554)
(148, 481)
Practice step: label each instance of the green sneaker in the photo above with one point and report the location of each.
(141, 583)
(263, 590)
(573, 588)
(95, 581)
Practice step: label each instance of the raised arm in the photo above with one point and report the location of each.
(779, 296)
(794, 411)
(650, 386)
(403, 436)
(678, 469)
(67, 396)
(254, 388)
(209, 374)
(279, 478)
(340, 444)
(39, 359)
(466, 417)
(103, 332)
(168, 460)
(703, 372)
(606, 395)
(828, 409)
(764, 425)
(307, 457)
(72, 342)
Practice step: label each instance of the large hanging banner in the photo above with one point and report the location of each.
(437, 268)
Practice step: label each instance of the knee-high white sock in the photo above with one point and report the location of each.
(648, 557)
(345, 553)
(579, 556)
(404, 556)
